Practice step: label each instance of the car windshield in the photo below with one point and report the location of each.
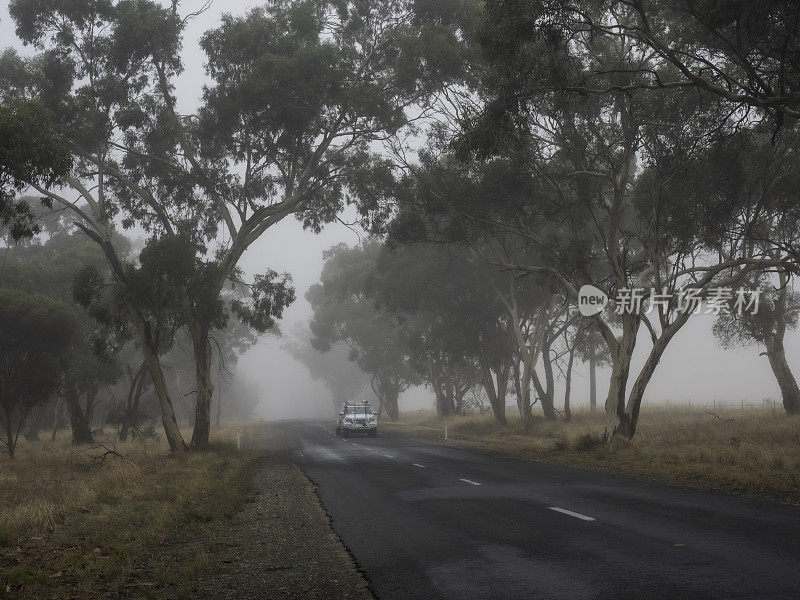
(358, 410)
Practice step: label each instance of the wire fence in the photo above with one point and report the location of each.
(715, 405)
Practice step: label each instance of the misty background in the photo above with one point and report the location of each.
(694, 367)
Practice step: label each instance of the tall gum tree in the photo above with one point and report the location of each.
(92, 68)
(765, 180)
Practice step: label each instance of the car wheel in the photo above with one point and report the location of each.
(344, 433)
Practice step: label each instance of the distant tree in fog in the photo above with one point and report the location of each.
(592, 350)
(446, 304)
(344, 378)
(35, 335)
(50, 265)
(779, 307)
(343, 312)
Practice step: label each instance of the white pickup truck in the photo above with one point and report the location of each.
(357, 417)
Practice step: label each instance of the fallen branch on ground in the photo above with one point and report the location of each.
(98, 459)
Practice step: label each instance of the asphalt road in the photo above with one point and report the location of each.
(425, 521)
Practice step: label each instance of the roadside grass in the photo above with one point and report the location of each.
(73, 525)
(755, 451)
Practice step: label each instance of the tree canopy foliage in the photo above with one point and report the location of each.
(31, 152)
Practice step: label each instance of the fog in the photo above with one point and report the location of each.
(694, 367)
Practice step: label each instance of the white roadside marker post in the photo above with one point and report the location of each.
(445, 430)
(238, 438)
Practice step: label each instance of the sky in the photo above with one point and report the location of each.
(694, 368)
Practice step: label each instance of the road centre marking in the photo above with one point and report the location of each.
(469, 481)
(571, 513)
(419, 465)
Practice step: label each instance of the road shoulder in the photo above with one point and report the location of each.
(281, 545)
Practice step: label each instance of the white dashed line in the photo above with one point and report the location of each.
(419, 465)
(469, 481)
(571, 513)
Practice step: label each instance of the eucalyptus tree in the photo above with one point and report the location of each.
(35, 334)
(451, 203)
(129, 415)
(344, 379)
(231, 343)
(437, 296)
(442, 362)
(89, 369)
(761, 169)
(298, 93)
(591, 349)
(536, 312)
(94, 67)
(344, 312)
(778, 310)
(49, 265)
(571, 343)
(555, 324)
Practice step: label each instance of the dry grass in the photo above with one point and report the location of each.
(756, 451)
(71, 526)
